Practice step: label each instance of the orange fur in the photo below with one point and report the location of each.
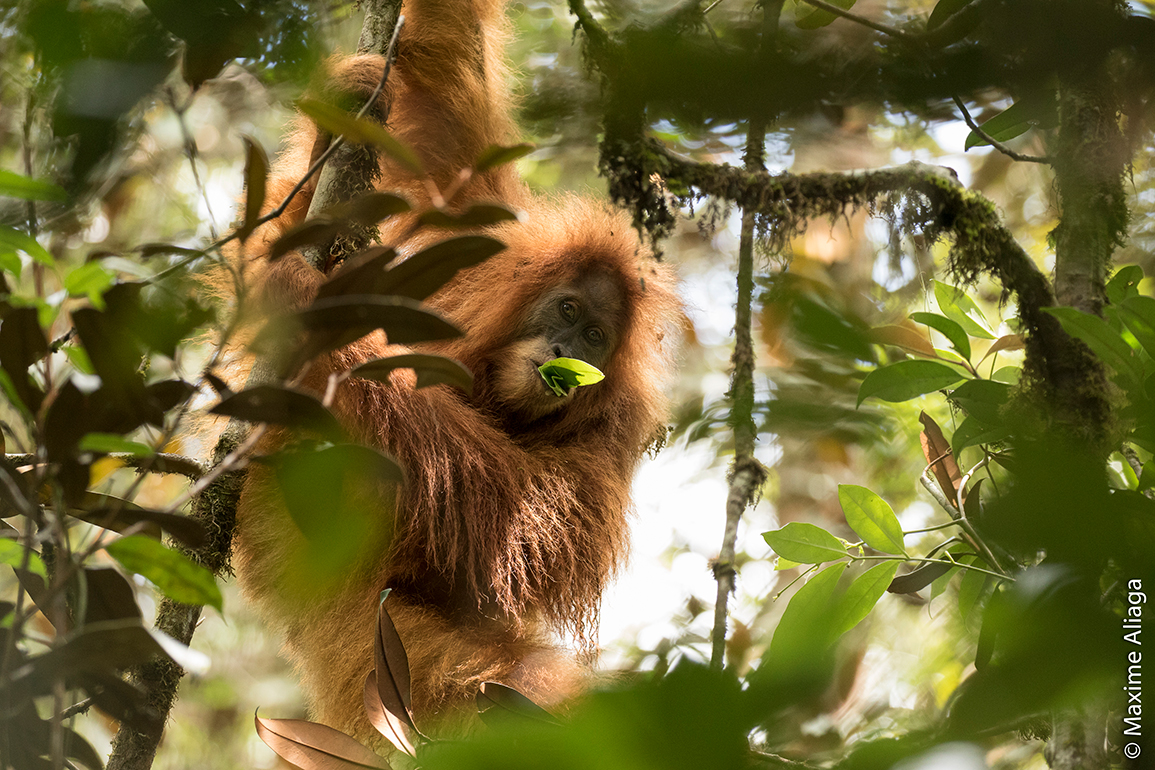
(507, 529)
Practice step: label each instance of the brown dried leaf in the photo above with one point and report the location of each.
(313, 746)
(430, 370)
(936, 449)
(256, 172)
(1008, 342)
(392, 666)
(497, 703)
(386, 722)
(903, 337)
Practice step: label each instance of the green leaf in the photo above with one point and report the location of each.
(89, 280)
(820, 18)
(1036, 110)
(957, 306)
(1008, 374)
(1104, 342)
(871, 518)
(970, 588)
(807, 619)
(14, 239)
(107, 443)
(1124, 284)
(430, 370)
(360, 131)
(944, 10)
(905, 380)
(972, 432)
(13, 185)
(498, 155)
(429, 269)
(173, 573)
(256, 174)
(949, 329)
(10, 262)
(1138, 315)
(982, 399)
(862, 595)
(78, 357)
(805, 543)
(12, 554)
(478, 215)
(919, 578)
(564, 374)
(280, 406)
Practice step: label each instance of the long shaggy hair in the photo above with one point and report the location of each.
(506, 530)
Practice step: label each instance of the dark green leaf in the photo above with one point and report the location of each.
(982, 400)
(498, 155)
(157, 249)
(341, 320)
(308, 233)
(173, 573)
(1024, 114)
(100, 648)
(430, 370)
(820, 18)
(280, 406)
(498, 705)
(805, 543)
(1104, 342)
(971, 587)
(22, 343)
(949, 329)
(256, 173)
(108, 596)
(972, 432)
(13, 185)
(943, 10)
(479, 215)
(361, 274)
(428, 270)
(360, 131)
(871, 518)
(1138, 315)
(1124, 284)
(905, 380)
(919, 578)
(369, 209)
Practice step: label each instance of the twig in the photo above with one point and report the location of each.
(747, 474)
(161, 462)
(898, 34)
(995, 142)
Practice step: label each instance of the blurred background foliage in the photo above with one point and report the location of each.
(138, 109)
